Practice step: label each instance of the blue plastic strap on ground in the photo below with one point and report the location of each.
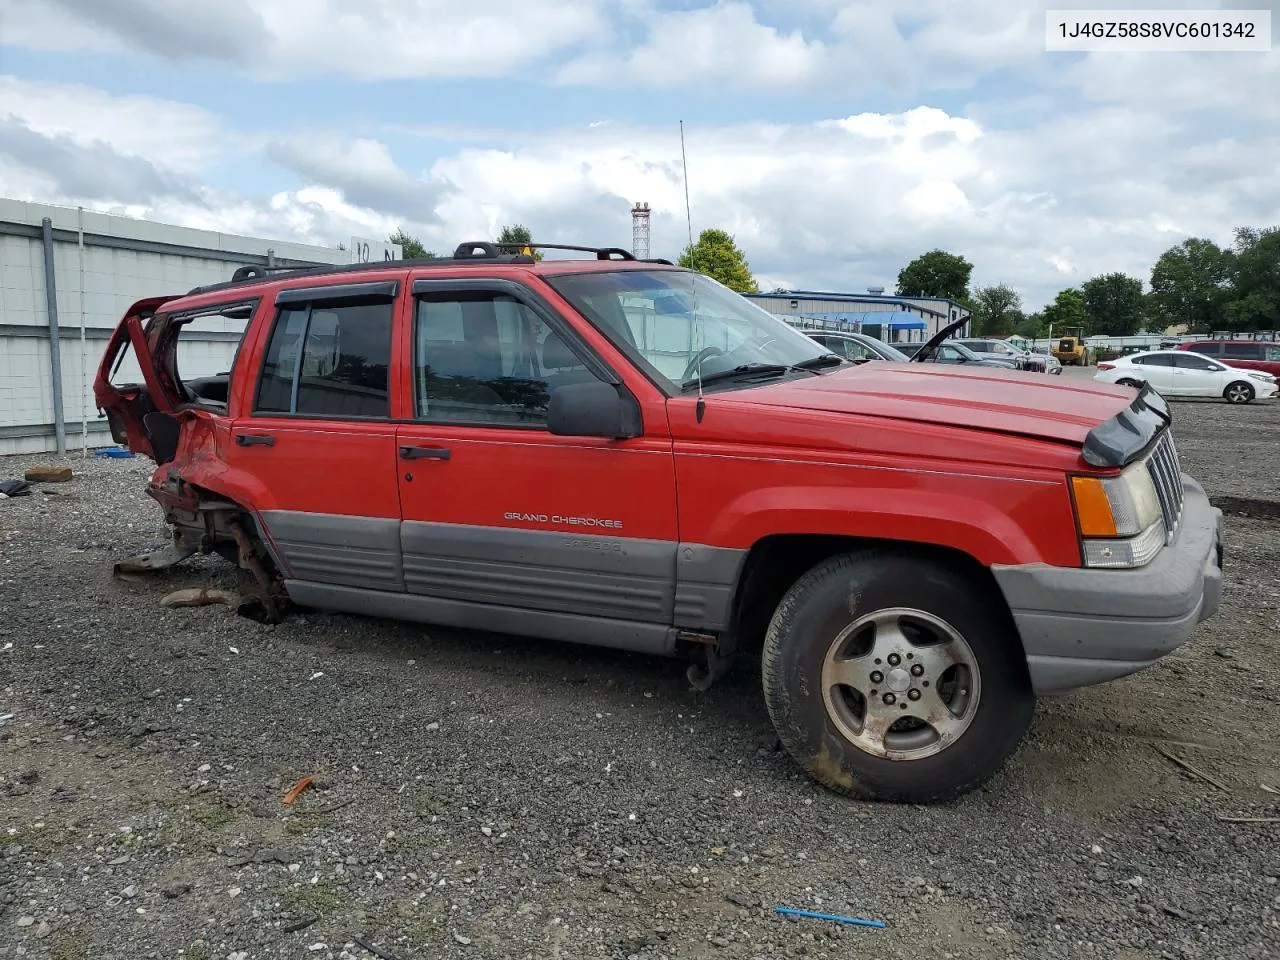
(856, 921)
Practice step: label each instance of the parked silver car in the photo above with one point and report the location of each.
(856, 346)
(993, 349)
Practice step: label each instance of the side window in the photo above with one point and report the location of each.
(1271, 354)
(1241, 351)
(487, 358)
(329, 359)
(1192, 362)
(1208, 349)
(948, 353)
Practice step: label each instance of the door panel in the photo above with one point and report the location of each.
(1157, 371)
(319, 448)
(499, 511)
(1195, 376)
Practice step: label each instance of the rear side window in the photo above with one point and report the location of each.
(1241, 351)
(329, 359)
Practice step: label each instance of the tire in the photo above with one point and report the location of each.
(1238, 392)
(817, 718)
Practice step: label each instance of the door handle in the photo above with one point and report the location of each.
(255, 440)
(424, 453)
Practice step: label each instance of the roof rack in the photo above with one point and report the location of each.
(477, 252)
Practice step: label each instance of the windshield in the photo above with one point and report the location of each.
(651, 316)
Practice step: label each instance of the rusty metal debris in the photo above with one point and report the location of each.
(296, 790)
(198, 597)
(262, 604)
(160, 559)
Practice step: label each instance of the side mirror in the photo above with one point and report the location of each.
(594, 410)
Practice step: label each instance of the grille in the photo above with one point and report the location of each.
(1166, 474)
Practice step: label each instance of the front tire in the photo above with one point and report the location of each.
(1238, 392)
(893, 677)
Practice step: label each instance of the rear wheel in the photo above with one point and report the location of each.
(891, 676)
(1238, 392)
(1127, 382)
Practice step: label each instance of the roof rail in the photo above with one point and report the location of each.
(602, 253)
(478, 252)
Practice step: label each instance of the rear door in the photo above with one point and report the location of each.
(1157, 370)
(316, 450)
(504, 519)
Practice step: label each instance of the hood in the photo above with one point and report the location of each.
(1005, 401)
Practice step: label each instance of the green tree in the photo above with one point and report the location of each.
(1067, 310)
(516, 235)
(996, 310)
(718, 256)
(1255, 280)
(1190, 284)
(1114, 304)
(936, 274)
(1031, 326)
(411, 246)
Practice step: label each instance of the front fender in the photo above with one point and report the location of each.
(1008, 530)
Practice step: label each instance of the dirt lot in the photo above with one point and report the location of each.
(482, 796)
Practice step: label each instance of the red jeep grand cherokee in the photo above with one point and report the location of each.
(625, 453)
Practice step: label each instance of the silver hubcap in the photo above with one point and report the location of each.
(900, 684)
(1238, 394)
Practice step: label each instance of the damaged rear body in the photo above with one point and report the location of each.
(183, 425)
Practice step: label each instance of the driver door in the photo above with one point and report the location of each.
(498, 513)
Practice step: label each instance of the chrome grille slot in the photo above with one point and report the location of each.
(1166, 474)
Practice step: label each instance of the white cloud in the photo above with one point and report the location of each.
(277, 39)
(175, 135)
(723, 43)
(837, 204)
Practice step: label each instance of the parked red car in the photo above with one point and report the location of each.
(625, 453)
(1247, 354)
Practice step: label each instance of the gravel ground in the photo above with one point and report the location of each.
(483, 796)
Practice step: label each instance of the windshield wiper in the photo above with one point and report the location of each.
(821, 360)
(749, 369)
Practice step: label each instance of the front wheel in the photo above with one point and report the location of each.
(1238, 392)
(893, 677)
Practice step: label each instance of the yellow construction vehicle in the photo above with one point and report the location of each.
(1070, 348)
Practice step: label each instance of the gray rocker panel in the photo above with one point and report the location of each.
(649, 638)
(584, 574)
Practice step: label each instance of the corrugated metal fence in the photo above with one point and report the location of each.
(100, 265)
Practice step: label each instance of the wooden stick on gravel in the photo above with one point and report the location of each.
(1191, 768)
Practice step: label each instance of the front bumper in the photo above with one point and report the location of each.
(1081, 626)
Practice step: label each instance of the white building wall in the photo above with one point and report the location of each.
(122, 261)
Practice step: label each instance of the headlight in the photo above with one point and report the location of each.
(1119, 518)
(1264, 377)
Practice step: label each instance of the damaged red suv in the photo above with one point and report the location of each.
(626, 453)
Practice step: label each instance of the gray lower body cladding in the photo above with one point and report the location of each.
(1085, 626)
(587, 588)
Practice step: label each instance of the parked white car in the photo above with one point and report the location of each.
(1182, 373)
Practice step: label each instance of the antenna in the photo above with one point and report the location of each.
(684, 163)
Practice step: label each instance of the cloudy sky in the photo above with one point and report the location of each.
(835, 139)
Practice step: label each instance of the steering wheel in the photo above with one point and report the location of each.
(699, 358)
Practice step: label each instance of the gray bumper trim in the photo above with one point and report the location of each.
(1082, 626)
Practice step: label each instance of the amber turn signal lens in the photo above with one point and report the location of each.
(1093, 508)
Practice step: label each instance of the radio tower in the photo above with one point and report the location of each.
(640, 231)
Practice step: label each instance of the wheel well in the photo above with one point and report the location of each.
(776, 562)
